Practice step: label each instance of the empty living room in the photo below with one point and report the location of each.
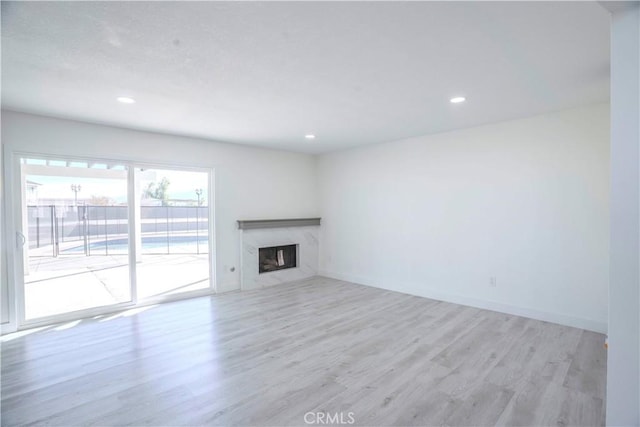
(320, 213)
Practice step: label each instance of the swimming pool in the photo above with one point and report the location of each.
(150, 244)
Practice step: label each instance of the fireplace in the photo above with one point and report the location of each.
(275, 251)
(276, 258)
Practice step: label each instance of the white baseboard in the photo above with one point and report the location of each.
(227, 287)
(559, 318)
(8, 328)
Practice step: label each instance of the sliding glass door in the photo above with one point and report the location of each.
(173, 239)
(103, 235)
(76, 227)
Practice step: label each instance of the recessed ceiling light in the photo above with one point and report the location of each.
(126, 100)
(457, 99)
(310, 136)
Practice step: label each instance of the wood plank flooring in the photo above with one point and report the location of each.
(268, 357)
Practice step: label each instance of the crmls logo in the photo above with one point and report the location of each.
(329, 418)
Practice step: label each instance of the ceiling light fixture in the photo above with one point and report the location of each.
(126, 100)
(457, 99)
(310, 136)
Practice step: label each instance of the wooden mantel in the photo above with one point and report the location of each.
(276, 223)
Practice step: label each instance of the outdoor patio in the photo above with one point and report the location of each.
(76, 282)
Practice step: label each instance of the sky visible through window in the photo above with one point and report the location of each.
(183, 185)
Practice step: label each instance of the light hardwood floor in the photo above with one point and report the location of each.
(270, 356)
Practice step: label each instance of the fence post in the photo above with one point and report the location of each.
(87, 226)
(106, 236)
(168, 251)
(79, 225)
(197, 230)
(56, 233)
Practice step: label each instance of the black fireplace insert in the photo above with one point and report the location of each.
(277, 258)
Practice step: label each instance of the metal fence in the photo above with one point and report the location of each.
(104, 230)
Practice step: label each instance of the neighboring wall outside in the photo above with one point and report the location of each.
(250, 183)
(524, 201)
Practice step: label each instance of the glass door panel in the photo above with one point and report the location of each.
(172, 251)
(75, 221)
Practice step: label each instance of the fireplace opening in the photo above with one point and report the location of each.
(277, 258)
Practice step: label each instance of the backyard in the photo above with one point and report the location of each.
(78, 258)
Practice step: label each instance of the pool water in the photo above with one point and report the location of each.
(179, 243)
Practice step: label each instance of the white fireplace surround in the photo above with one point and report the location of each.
(253, 237)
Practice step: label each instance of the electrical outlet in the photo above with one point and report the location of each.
(493, 281)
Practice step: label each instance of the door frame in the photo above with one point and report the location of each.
(14, 223)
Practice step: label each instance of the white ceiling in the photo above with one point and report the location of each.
(267, 73)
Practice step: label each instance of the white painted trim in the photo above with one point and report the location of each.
(559, 318)
(8, 328)
(230, 286)
(8, 230)
(13, 223)
(213, 236)
(159, 299)
(131, 234)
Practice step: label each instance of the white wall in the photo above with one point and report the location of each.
(623, 363)
(525, 201)
(251, 183)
